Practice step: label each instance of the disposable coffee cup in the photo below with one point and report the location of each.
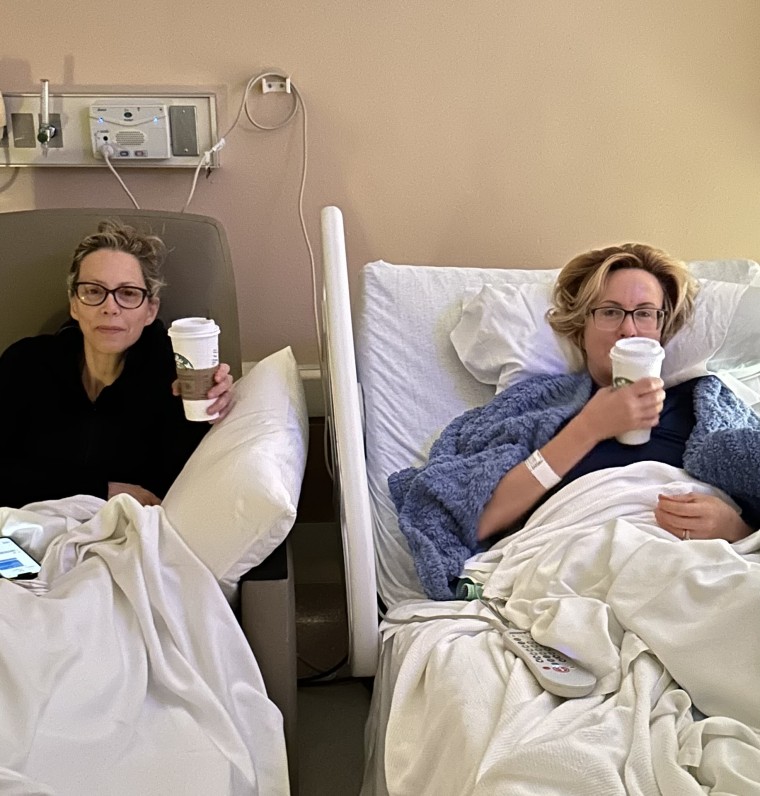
(632, 359)
(195, 342)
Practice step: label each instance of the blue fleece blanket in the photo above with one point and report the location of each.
(439, 503)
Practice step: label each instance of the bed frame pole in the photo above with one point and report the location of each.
(350, 468)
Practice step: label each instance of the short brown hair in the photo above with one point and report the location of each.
(148, 250)
(581, 282)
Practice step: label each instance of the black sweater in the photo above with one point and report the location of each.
(56, 442)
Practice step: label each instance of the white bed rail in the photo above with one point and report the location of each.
(345, 419)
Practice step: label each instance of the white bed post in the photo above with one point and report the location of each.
(344, 415)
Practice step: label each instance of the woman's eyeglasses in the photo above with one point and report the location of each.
(126, 296)
(646, 319)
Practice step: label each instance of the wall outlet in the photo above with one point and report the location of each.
(275, 84)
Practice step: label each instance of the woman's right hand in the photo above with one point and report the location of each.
(613, 411)
(143, 496)
(607, 414)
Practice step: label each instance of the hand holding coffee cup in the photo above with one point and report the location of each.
(195, 342)
(634, 358)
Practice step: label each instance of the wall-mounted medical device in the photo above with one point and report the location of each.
(161, 130)
(130, 131)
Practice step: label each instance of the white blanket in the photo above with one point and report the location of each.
(663, 624)
(122, 668)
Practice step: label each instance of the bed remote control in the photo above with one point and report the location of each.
(555, 673)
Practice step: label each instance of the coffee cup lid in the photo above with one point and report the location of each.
(637, 346)
(193, 327)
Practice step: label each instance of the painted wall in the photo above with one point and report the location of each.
(494, 132)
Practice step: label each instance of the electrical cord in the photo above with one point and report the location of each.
(319, 677)
(107, 150)
(331, 681)
(204, 161)
(313, 667)
(497, 623)
(298, 102)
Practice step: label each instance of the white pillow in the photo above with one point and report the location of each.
(503, 337)
(235, 500)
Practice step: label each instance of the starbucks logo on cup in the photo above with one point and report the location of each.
(182, 362)
(617, 381)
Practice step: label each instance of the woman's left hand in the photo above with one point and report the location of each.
(696, 516)
(221, 391)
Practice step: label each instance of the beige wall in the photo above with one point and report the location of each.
(490, 132)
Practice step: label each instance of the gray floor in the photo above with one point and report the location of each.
(331, 713)
(330, 738)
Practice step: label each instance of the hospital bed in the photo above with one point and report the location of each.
(139, 678)
(660, 624)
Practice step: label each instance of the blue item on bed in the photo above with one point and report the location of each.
(439, 504)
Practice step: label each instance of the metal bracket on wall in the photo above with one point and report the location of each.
(190, 118)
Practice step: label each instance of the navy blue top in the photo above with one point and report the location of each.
(666, 443)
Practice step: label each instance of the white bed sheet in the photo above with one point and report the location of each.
(124, 669)
(414, 384)
(660, 623)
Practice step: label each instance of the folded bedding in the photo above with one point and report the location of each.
(663, 624)
(124, 669)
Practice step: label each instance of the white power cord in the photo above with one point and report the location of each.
(298, 102)
(204, 161)
(107, 150)
(291, 88)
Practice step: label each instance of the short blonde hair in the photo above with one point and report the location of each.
(581, 282)
(148, 250)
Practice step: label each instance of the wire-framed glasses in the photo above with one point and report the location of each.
(646, 319)
(129, 297)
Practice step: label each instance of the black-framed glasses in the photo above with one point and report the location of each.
(127, 296)
(646, 319)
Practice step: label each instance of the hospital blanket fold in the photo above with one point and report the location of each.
(135, 675)
(663, 624)
(439, 503)
(704, 599)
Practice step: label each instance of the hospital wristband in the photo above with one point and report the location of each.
(541, 471)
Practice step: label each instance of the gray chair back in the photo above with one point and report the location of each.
(36, 247)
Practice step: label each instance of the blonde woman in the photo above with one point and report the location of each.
(493, 465)
(601, 297)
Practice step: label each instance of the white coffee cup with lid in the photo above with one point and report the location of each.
(632, 359)
(195, 342)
